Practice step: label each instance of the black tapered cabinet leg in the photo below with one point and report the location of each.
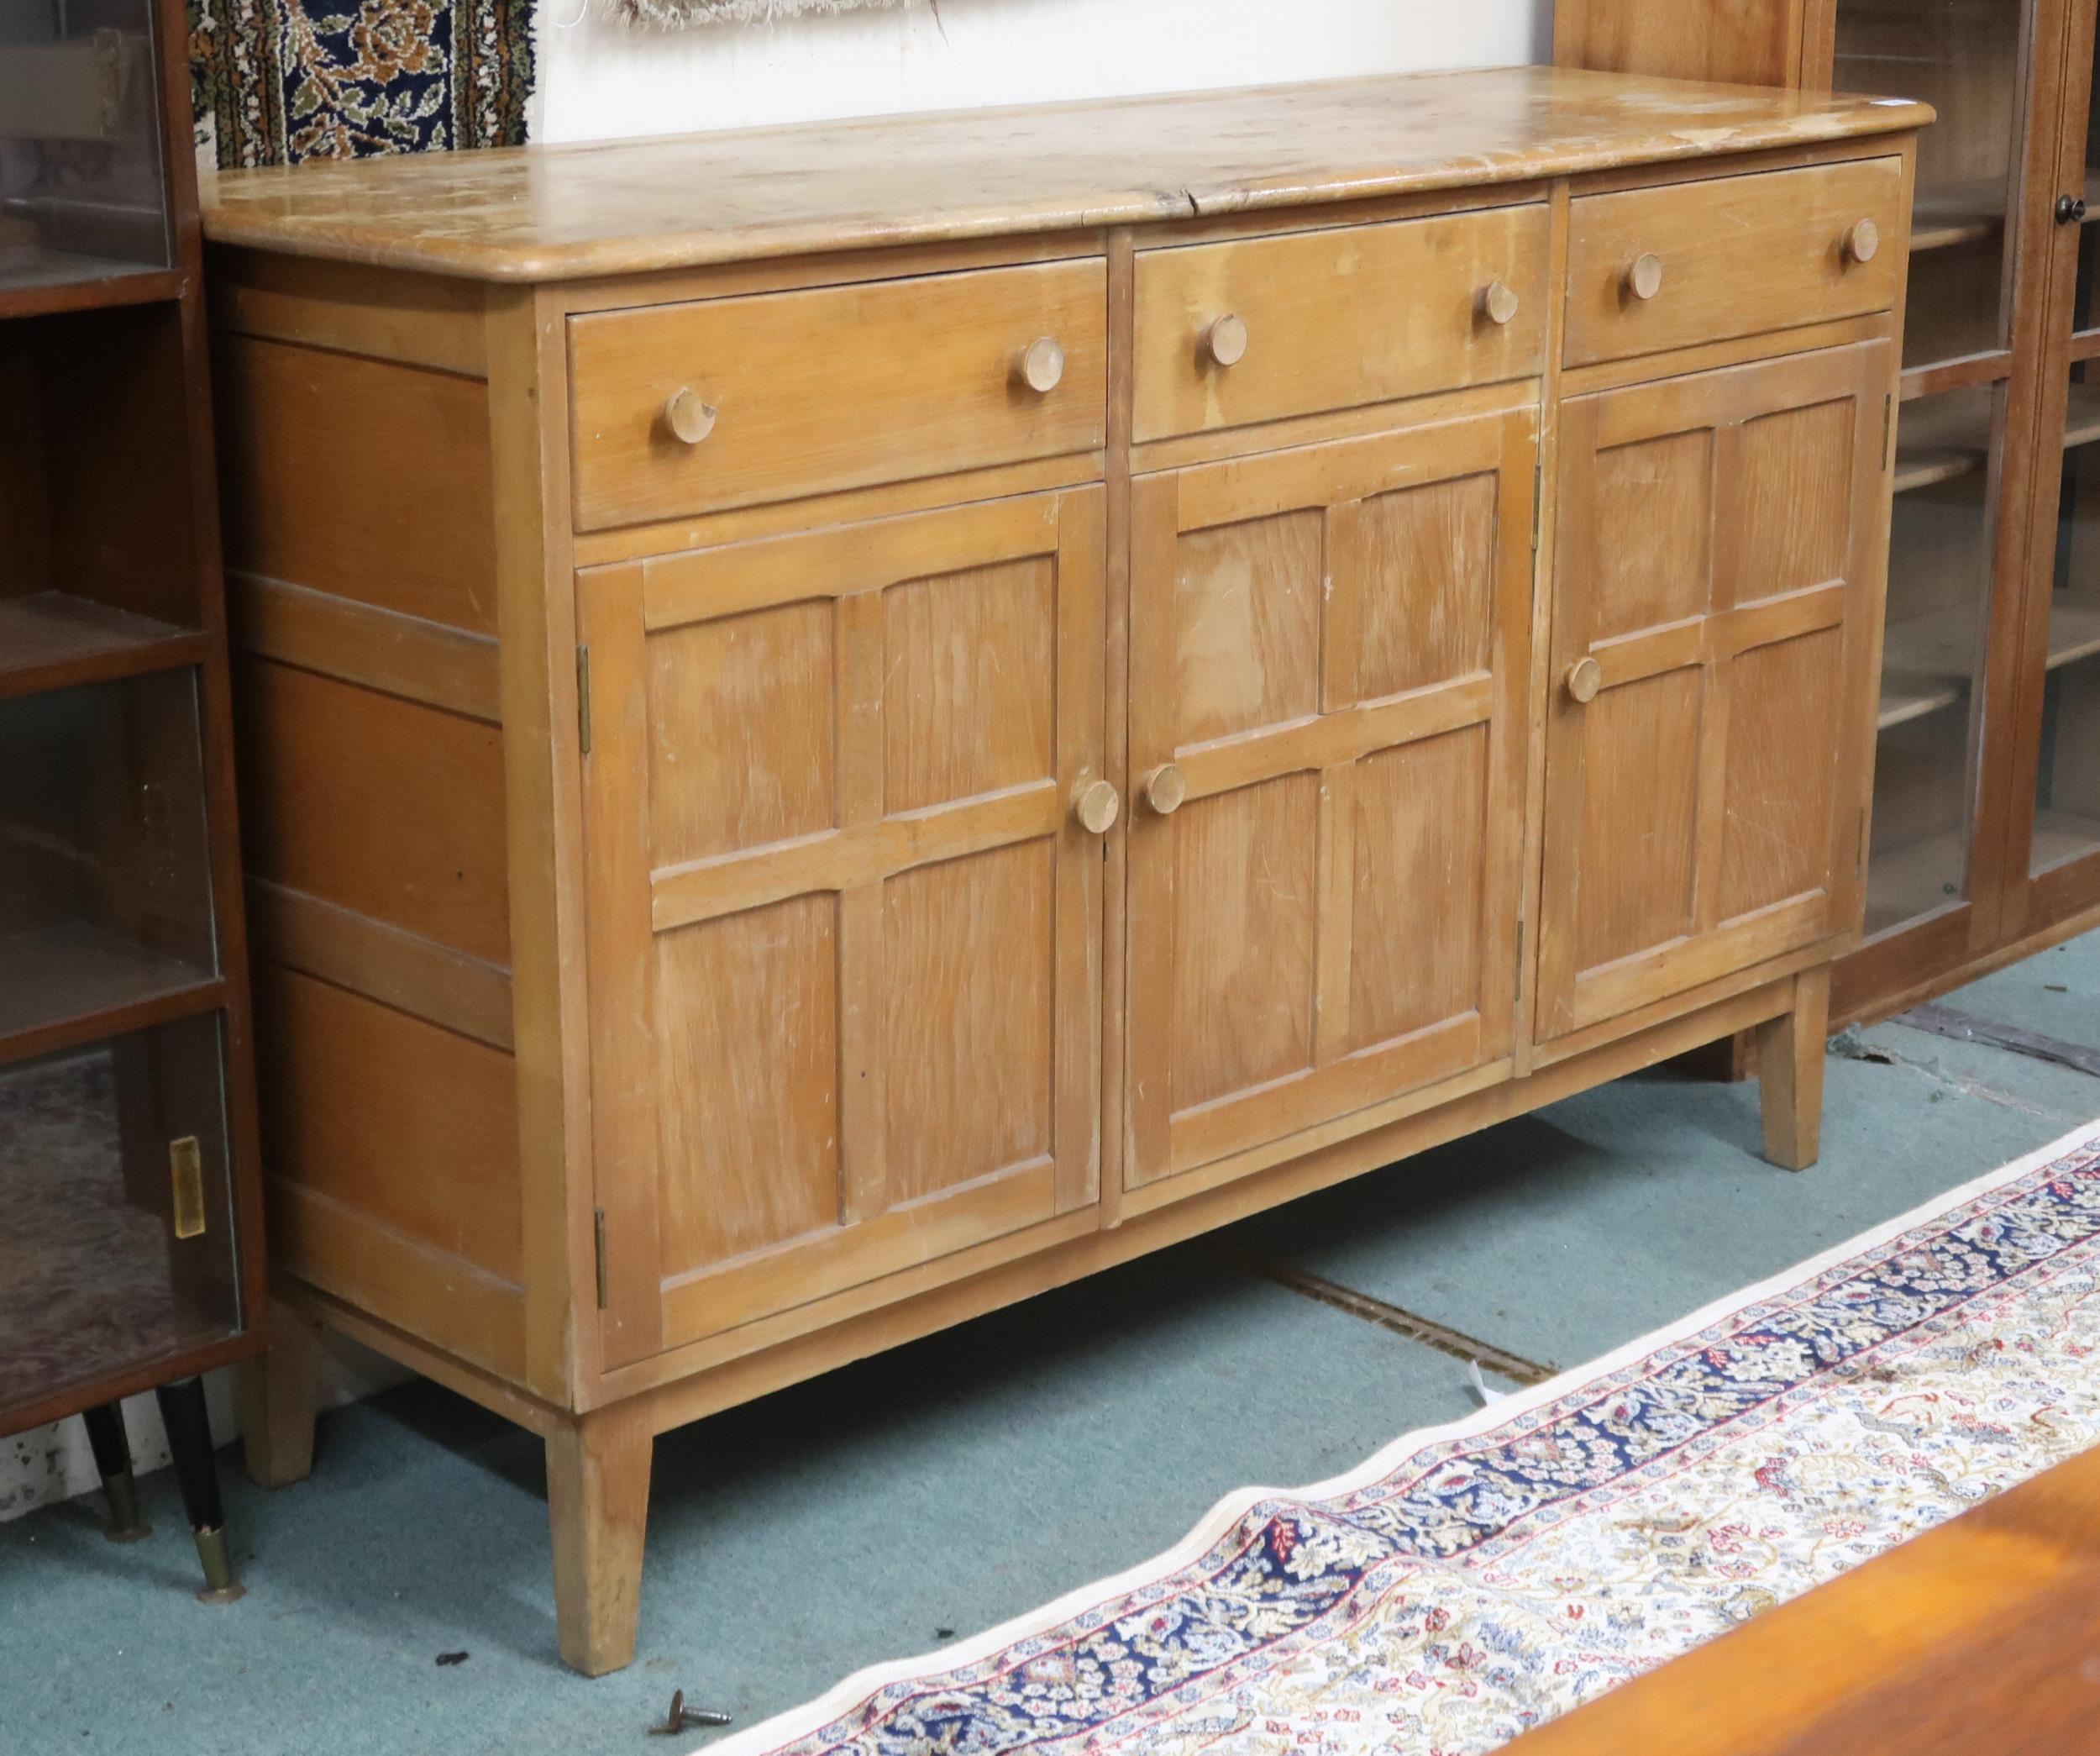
(112, 1462)
(189, 1425)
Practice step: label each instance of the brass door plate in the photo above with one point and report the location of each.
(185, 1169)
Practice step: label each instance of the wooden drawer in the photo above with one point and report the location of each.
(837, 387)
(1737, 255)
(1334, 319)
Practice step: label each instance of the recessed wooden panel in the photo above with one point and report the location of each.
(1246, 620)
(844, 930)
(1651, 532)
(1741, 255)
(969, 951)
(1703, 722)
(384, 806)
(968, 676)
(1330, 918)
(359, 478)
(1640, 816)
(741, 731)
(747, 1077)
(834, 387)
(1420, 850)
(1745, 42)
(1785, 731)
(1795, 518)
(414, 1127)
(1247, 912)
(1425, 583)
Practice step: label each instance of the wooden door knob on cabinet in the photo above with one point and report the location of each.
(1644, 279)
(1498, 302)
(1861, 241)
(1585, 677)
(1095, 805)
(1164, 788)
(1226, 340)
(1042, 367)
(690, 419)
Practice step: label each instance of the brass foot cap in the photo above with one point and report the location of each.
(125, 1525)
(219, 1584)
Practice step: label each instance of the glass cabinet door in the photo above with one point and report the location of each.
(1969, 59)
(119, 1247)
(2060, 680)
(81, 193)
(1942, 564)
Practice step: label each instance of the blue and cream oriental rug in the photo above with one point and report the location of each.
(1472, 1581)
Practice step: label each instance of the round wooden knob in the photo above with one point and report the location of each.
(1226, 340)
(1095, 805)
(690, 419)
(1861, 241)
(1585, 677)
(1164, 788)
(1644, 280)
(1042, 367)
(1497, 302)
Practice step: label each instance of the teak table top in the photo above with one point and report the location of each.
(567, 213)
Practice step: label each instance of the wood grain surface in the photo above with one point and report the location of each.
(563, 212)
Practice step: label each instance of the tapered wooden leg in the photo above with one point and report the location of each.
(1790, 1051)
(276, 1402)
(598, 1507)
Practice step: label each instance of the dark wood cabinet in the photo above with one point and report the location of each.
(131, 1252)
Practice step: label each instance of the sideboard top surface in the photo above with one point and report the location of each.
(566, 212)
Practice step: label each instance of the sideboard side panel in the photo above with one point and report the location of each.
(360, 558)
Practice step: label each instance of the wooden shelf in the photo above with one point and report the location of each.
(35, 281)
(2082, 419)
(1928, 664)
(1939, 438)
(2061, 835)
(74, 982)
(1906, 697)
(54, 640)
(1957, 214)
(2074, 632)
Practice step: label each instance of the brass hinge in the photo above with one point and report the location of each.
(1520, 975)
(185, 1171)
(597, 1230)
(1888, 432)
(1538, 499)
(583, 698)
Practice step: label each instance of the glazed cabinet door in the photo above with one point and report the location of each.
(1329, 647)
(1719, 572)
(844, 923)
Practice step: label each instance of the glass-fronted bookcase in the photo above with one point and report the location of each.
(131, 1251)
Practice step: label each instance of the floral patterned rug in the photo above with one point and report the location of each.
(1472, 1581)
(277, 82)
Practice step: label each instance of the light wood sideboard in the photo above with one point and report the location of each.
(844, 724)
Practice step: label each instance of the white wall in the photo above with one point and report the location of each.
(601, 77)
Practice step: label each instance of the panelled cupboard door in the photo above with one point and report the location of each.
(1329, 650)
(844, 930)
(1717, 588)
